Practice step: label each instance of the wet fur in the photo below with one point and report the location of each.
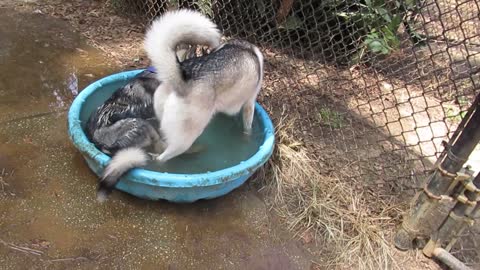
(124, 126)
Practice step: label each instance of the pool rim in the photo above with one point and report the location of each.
(148, 177)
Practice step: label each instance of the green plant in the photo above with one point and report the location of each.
(380, 20)
(205, 7)
(331, 118)
(455, 115)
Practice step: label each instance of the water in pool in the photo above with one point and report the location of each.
(221, 145)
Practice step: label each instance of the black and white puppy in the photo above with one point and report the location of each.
(124, 126)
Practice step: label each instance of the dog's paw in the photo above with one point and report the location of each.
(153, 155)
(246, 135)
(158, 158)
(247, 131)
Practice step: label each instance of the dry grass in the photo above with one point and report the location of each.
(350, 230)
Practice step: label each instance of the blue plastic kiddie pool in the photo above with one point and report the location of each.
(155, 185)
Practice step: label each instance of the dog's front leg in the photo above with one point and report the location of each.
(171, 152)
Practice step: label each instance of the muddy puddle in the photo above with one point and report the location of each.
(49, 218)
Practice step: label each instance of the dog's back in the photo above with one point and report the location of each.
(134, 100)
(224, 66)
(230, 74)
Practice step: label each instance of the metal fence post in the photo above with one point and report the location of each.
(462, 216)
(432, 204)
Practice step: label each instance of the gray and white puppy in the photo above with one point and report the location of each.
(226, 80)
(124, 126)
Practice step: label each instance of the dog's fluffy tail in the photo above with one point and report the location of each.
(174, 28)
(121, 162)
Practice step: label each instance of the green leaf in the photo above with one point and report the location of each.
(395, 23)
(387, 34)
(395, 43)
(384, 13)
(373, 35)
(410, 3)
(389, 37)
(369, 3)
(375, 46)
(206, 7)
(346, 15)
(357, 17)
(291, 23)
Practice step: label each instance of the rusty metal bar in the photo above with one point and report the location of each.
(433, 204)
(449, 260)
(461, 217)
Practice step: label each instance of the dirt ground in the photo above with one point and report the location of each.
(368, 131)
(49, 217)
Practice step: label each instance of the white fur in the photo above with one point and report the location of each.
(121, 162)
(125, 160)
(260, 60)
(249, 107)
(172, 29)
(184, 117)
(182, 122)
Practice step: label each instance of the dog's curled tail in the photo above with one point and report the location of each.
(171, 29)
(121, 162)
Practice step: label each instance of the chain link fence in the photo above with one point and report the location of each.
(379, 85)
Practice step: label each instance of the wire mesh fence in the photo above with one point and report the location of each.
(379, 84)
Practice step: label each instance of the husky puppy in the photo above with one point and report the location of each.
(226, 80)
(124, 126)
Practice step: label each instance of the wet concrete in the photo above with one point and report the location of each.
(49, 218)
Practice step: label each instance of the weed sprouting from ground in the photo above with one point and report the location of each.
(331, 118)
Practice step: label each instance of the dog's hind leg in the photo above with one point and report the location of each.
(247, 114)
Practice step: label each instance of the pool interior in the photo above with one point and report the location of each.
(222, 144)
